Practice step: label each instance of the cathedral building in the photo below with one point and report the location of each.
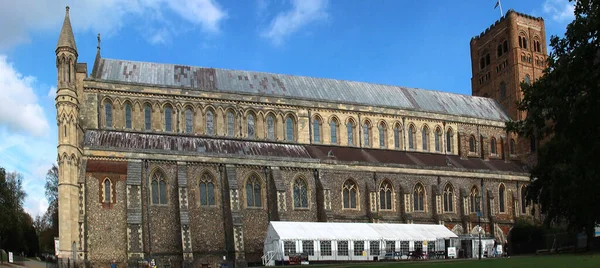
(188, 165)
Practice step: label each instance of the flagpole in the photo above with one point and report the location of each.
(501, 13)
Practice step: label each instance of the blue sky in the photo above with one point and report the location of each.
(422, 44)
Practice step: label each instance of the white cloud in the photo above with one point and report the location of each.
(18, 19)
(559, 10)
(20, 111)
(303, 12)
(52, 92)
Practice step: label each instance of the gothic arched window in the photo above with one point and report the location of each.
(168, 119)
(108, 114)
(127, 116)
(159, 188)
(147, 117)
(289, 129)
(189, 120)
(397, 134)
(449, 140)
(493, 146)
(425, 138)
(107, 197)
(472, 144)
(270, 127)
(474, 203)
(253, 192)
(333, 126)
(448, 198)
(366, 134)
(438, 138)
(382, 134)
(411, 137)
(207, 190)
(350, 130)
(349, 194)
(317, 129)
(300, 193)
(250, 126)
(230, 124)
(385, 196)
(419, 198)
(210, 122)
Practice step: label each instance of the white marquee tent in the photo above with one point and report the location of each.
(351, 241)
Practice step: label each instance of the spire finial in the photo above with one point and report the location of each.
(98, 42)
(67, 10)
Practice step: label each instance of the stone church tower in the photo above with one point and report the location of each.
(511, 51)
(69, 140)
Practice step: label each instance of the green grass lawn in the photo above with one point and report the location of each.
(548, 261)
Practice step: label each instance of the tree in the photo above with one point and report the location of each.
(562, 111)
(48, 224)
(17, 226)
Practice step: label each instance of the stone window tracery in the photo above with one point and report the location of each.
(253, 192)
(207, 190)
(385, 196)
(474, 206)
(210, 122)
(448, 198)
(349, 194)
(300, 193)
(128, 116)
(159, 188)
(419, 198)
(189, 119)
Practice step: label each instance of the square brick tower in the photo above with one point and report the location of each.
(511, 51)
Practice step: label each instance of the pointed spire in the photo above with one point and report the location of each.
(66, 38)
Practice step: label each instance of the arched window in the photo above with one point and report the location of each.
(168, 119)
(350, 129)
(474, 205)
(300, 193)
(523, 200)
(127, 116)
(419, 198)
(147, 117)
(512, 146)
(493, 146)
(189, 120)
(499, 50)
(382, 134)
(527, 79)
(250, 126)
(317, 129)
(448, 198)
(438, 138)
(501, 197)
(289, 129)
(210, 122)
(532, 144)
(230, 124)
(207, 190)
(366, 134)
(108, 114)
(472, 144)
(333, 126)
(449, 140)
(107, 191)
(502, 90)
(385, 195)
(270, 127)
(397, 135)
(411, 137)
(253, 192)
(425, 138)
(523, 42)
(159, 188)
(349, 194)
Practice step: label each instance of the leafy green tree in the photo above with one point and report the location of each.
(563, 111)
(47, 225)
